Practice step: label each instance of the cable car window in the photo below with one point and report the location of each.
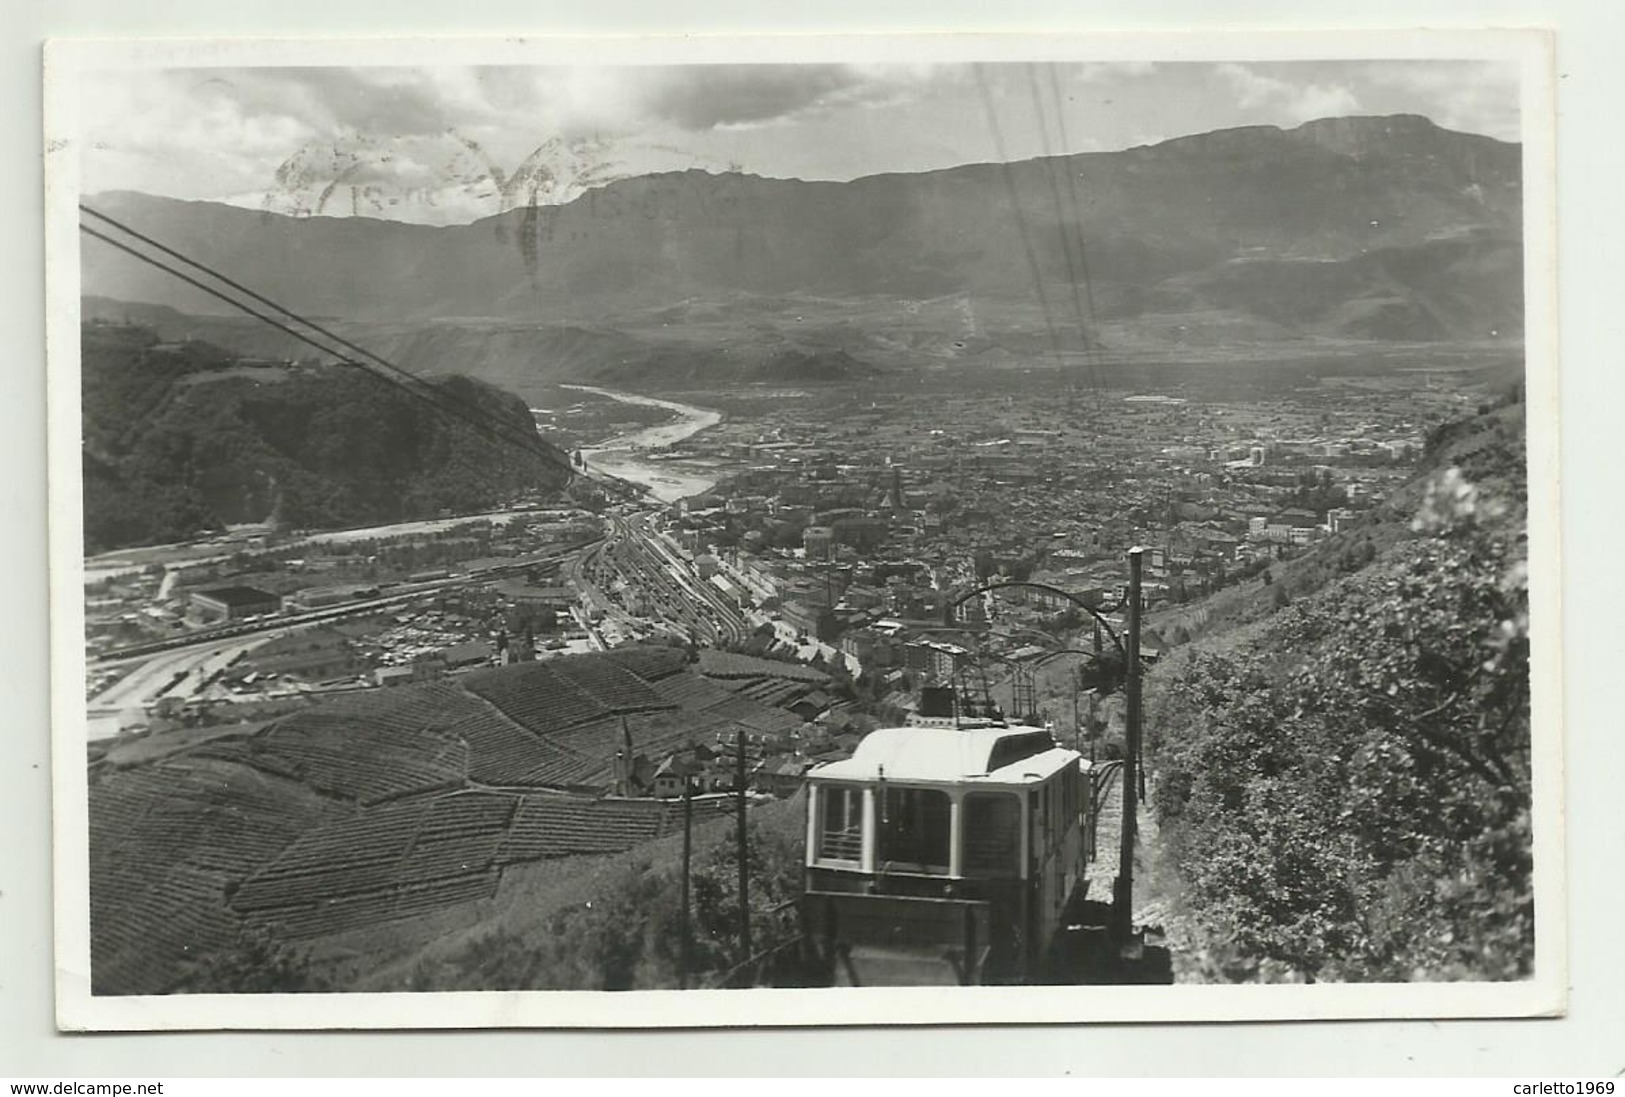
(840, 831)
(1013, 748)
(915, 829)
(992, 834)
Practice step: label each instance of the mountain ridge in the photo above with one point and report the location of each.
(1415, 230)
(1319, 130)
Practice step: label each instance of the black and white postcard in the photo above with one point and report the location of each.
(864, 530)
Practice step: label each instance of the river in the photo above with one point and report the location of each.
(621, 457)
(667, 481)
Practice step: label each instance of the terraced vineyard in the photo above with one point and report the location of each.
(554, 826)
(403, 860)
(649, 663)
(382, 805)
(501, 752)
(616, 689)
(727, 664)
(690, 691)
(166, 841)
(771, 691)
(757, 717)
(353, 758)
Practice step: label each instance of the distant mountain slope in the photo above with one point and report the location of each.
(180, 438)
(1368, 228)
(517, 356)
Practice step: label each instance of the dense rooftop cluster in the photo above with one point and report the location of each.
(849, 516)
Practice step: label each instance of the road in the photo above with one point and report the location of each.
(124, 703)
(398, 594)
(129, 561)
(195, 657)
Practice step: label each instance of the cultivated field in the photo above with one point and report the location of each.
(376, 808)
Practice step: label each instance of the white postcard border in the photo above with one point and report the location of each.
(79, 1010)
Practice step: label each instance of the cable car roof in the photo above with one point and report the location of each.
(950, 755)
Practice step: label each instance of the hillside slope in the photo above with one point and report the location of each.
(382, 819)
(1342, 784)
(179, 439)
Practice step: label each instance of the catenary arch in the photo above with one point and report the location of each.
(987, 588)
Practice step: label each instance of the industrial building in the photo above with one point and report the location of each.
(233, 603)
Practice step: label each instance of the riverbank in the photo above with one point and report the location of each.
(666, 481)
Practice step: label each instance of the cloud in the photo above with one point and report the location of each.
(383, 102)
(1299, 102)
(1100, 72)
(1475, 96)
(1252, 89)
(699, 97)
(1324, 101)
(387, 103)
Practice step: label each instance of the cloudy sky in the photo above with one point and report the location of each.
(444, 145)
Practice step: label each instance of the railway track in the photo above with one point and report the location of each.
(396, 596)
(1105, 827)
(642, 559)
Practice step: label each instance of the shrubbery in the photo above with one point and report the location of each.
(629, 936)
(256, 963)
(1349, 796)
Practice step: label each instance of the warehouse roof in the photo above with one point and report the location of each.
(239, 597)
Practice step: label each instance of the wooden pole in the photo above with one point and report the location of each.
(1123, 899)
(688, 849)
(1077, 721)
(744, 870)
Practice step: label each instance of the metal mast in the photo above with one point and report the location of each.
(1123, 897)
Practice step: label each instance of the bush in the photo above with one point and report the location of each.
(1350, 795)
(255, 963)
(629, 935)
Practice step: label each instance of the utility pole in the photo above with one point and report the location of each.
(1094, 726)
(744, 871)
(1123, 897)
(688, 849)
(1077, 689)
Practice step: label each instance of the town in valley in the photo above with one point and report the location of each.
(1022, 558)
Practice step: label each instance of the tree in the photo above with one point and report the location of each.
(982, 561)
(256, 963)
